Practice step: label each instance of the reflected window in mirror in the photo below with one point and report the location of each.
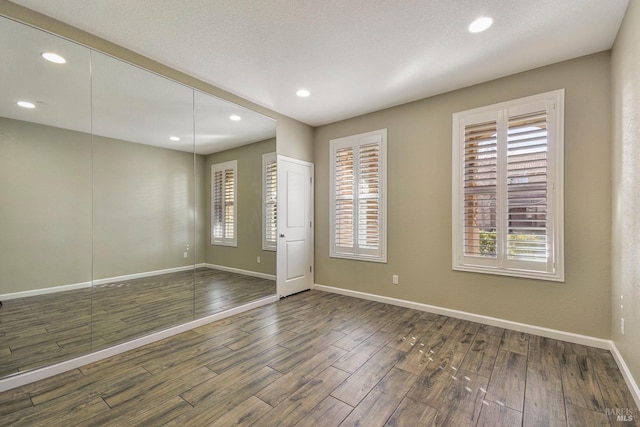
(269, 198)
(224, 186)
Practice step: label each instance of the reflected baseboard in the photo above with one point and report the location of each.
(98, 282)
(44, 291)
(107, 280)
(20, 379)
(240, 271)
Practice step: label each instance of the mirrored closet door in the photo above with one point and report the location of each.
(45, 187)
(117, 219)
(235, 161)
(143, 202)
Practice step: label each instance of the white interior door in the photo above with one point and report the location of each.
(295, 226)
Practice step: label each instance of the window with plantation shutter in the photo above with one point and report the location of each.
(224, 203)
(508, 188)
(480, 188)
(269, 198)
(358, 200)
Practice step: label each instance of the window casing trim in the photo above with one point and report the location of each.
(357, 253)
(222, 167)
(553, 269)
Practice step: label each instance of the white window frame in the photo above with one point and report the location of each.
(553, 268)
(222, 167)
(268, 202)
(357, 253)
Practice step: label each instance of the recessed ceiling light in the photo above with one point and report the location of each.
(26, 104)
(480, 24)
(303, 93)
(235, 117)
(54, 57)
(174, 138)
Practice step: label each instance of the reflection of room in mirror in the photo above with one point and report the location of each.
(44, 329)
(122, 310)
(45, 216)
(248, 253)
(106, 200)
(127, 309)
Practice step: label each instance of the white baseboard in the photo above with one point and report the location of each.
(43, 291)
(626, 373)
(487, 320)
(240, 271)
(21, 379)
(63, 288)
(98, 282)
(104, 281)
(493, 321)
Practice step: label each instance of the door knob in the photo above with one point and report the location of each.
(282, 235)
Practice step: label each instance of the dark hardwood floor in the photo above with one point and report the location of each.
(319, 359)
(45, 329)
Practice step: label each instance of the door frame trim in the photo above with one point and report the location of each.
(312, 218)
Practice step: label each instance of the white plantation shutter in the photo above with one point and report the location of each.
(217, 220)
(507, 208)
(369, 196)
(527, 187)
(344, 199)
(269, 197)
(480, 189)
(358, 205)
(223, 203)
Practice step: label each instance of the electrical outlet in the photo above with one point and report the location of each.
(185, 254)
(258, 260)
(622, 325)
(395, 279)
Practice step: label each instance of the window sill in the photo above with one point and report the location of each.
(524, 274)
(382, 260)
(231, 244)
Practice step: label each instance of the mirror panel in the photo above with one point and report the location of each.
(45, 216)
(242, 272)
(143, 202)
(104, 218)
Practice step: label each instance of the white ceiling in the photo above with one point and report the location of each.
(355, 56)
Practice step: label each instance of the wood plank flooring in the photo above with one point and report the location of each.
(45, 329)
(320, 359)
